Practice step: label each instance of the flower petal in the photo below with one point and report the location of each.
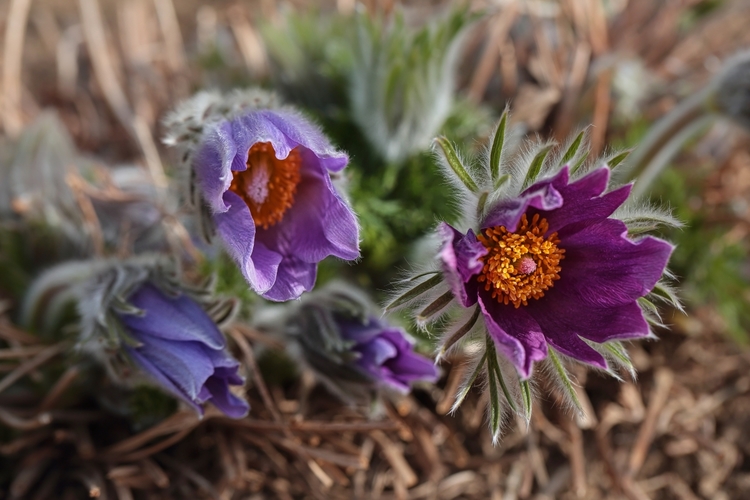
(237, 229)
(562, 321)
(461, 256)
(212, 165)
(293, 279)
(603, 267)
(161, 379)
(231, 405)
(301, 131)
(583, 202)
(543, 195)
(171, 318)
(515, 332)
(408, 364)
(319, 224)
(186, 364)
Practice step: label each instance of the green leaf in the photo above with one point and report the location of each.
(666, 293)
(573, 148)
(567, 384)
(494, 368)
(536, 166)
(579, 163)
(455, 163)
(458, 334)
(526, 396)
(481, 203)
(495, 408)
(414, 292)
(469, 383)
(501, 180)
(496, 152)
(620, 354)
(616, 159)
(435, 306)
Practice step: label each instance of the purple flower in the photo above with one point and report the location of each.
(551, 268)
(265, 176)
(385, 355)
(182, 350)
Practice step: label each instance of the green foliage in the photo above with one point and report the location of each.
(311, 56)
(707, 260)
(229, 280)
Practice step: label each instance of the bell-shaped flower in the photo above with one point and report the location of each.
(266, 178)
(179, 346)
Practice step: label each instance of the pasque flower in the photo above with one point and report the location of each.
(550, 268)
(549, 265)
(179, 346)
(350, 347)
(144, 325)
(265, 175)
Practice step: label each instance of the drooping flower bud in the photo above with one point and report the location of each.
(143, 324)
(349, 347)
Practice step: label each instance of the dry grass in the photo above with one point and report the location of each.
(680, 432)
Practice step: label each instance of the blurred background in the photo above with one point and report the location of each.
(383, 78)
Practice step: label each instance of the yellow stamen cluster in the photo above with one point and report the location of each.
(268, 185)
(521, 265)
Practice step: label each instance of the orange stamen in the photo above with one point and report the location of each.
(268, 185)
(507, 269)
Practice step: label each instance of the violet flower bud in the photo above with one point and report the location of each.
(351, 348)
(182, 350)
(137, 314)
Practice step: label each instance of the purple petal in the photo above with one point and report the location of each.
(543, 195)
(224, 400)
(319, 223)
(171, 318)
(258, 264)
(162, 380)
(461, 256)
(562, 321)
(301, 131)
(565, 320)
(603, 267)
(212, 165)
(408, 364)
(293, 279)
(395, 367)
(583, 202)
(516, 333)
(226, 146)
(186, 364)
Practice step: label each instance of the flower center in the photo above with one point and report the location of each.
(521, 265)
(268, 185)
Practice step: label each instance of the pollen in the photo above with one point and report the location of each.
(269, 185)
(522, 265)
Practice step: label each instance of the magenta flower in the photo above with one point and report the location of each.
(550, 268)
(266, 177)
(182, 350)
